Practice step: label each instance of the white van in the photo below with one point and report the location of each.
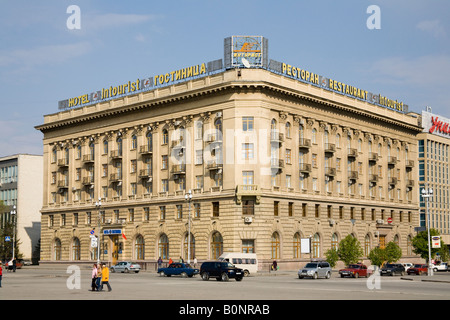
(246, 261)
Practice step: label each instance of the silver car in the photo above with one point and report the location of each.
(315, 270)
(126, 266)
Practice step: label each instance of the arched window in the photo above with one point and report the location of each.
(76, 249)
(54, 155)
(367, 245)
(165, 136)
(314, 135)
(216, 245)
(105, 146)
(91, 150)
(119, 146)
(288, 130)
(133, 142)
(334, 241)
(57, 250)
(275, 245)
(163, 246)
(192, 247)
(297, 245)
(139, 247)
(315, 246)
(149, 137)
(338, 140)
(301, 133)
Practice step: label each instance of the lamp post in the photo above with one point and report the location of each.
(188, 197)
(427, 193)
(98, 205)
(13, 215)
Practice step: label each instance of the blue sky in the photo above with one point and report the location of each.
(42, 61)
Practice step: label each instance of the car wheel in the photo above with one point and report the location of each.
(136, 271)
(127, 270)
(356, 275)
(246, 273)
(315, 276)
(328, 275)
(300, 277)
(402, 273)
(239, 279)
(162, 274)
(184, 275)
(112, 270)
(205, 276)
(224, 277)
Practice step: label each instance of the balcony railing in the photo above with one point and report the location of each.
(115, 177)
(392, 160)
(179, 169)
(213, 165)
(373, 178)
(145, 173)
(88, 180)
(276, 137)
(146, 149)
(373, 157)
(305, 167)
(63, 184)
(88, 158)
(248, 190)
(63, 162)
(352, 153)
(330, 172)
(304, 143)
(115, 154)
(353, 175)
(392, 181)
(277, 163)
(409, 164)
(330, 147)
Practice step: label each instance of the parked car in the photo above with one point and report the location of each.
(418, 269)
(354, 270)
(315, 270)
(178, 269)
(407, 265)
(440, 267)
(391, 269)
(221, 270)
(126, 266)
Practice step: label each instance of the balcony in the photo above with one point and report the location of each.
(305, 168)
(353, 175)
(276, 137)
(409, 164)
(248, 190)
(304, 143)
(179, 169)
(213, 165)
(410, 183)
(214, 138)
(352, 153)
(392, 161)
(330, 148)
(115, 177)
(392, 181)
(373, 157)
(146, 150)
(373, 178)
(145, 173)
(63, 163)
(115, 154)
(178, 144)
(87, 181)
(88, 158)
(277, 163)
(330, 172)
(63, 184)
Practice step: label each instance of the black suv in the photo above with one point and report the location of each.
(392, 268)
(221, 270)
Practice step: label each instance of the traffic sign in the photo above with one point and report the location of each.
(389, 220)
(92, 231)
(7, 238)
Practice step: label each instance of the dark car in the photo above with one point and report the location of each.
(354, 270)
(178, 269)
(221, 270)
(391, 269)
(418, 269)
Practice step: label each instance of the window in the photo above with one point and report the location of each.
(196, 210)
(247, 151)
(276, 205)
(215, 206)
(297, 245)
(146, 213)
(248, 207)
(163, 247)
(131, 215)
(275, 245)
(288, 130)
(165, 136)
(291, 209)
(179, 211)
(247, 124)
(216, 245)
(164, 162)
(105, 146)
(248, 246)
(288, 156)
(165, 185)
(133, 142)
(247, 177)
(133, 166)
(162, 212)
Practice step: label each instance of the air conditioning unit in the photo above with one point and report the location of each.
(108, 221)
(376, 234)
(331, 221)
(248, 219)
(380, 221)
(218, 114)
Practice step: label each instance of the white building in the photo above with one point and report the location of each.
(21, 186)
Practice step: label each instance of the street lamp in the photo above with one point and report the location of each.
(13, 214)
(188, 197)
(98, 205)
(427, 193)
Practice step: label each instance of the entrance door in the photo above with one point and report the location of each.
(114, 249)
(382, 241)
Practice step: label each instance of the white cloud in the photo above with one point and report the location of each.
(434, 27)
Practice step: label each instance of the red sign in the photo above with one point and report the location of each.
(389, 220)
(439, 126)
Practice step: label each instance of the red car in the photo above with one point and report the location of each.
(418, 269)
(354, 270)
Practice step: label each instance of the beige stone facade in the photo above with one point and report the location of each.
(269, 160)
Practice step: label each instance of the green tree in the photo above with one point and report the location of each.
(350, 250)
(377, 256)
(393, 252)
(420, 244)
(332, 257)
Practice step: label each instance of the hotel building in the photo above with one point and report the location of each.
(434, 144)
(280, 162)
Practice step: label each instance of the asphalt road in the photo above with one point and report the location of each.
(34, 283)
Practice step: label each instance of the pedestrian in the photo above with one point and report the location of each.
(99, 276)
(94, 277)
(274, 265)
(170, 261)
(195, 262)
(1, 274)
(105, 278)
(160, 262)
